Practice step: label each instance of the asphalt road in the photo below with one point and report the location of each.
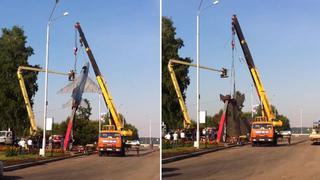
(94, 167)
(297, 161)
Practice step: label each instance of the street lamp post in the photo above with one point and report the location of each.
(45, 112)
(301, 121)
(198, 69)
(99, 118)
(150, 139)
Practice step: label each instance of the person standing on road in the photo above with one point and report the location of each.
(204, 133)
(175, 139)
(61, 142)
(167, 137)
(182, 136)
(22, 144)
(29, 142)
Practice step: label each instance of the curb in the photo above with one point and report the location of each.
(29, 164)
(185, 156)
(300, 141)
(146, 153)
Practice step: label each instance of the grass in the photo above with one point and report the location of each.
(188, 148)
(22, 157)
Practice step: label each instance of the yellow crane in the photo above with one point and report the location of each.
(267, 112)
(183, 107)
(33, 125)
(263, 128)
(113, 137)
(118, 123)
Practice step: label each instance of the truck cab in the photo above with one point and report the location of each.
(263, 132)
(111, 142)
(315, 134)
(6, 137)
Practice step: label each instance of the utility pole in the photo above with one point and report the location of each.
(198, 66)
(99, 95)
(251, 99)
(150, 140)
(301, 121)
(42, 151)
(198, 80)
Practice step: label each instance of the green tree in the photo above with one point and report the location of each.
(212, 121)
(135, 134)
(171, 113)
(85, 131)
(14, 52)
(127, 126)
(84, 112)
(285, 120)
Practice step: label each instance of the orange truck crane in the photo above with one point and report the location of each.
(113, 136)
(263, 127)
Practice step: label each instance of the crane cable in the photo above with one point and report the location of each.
(75, 51)
(82, 50)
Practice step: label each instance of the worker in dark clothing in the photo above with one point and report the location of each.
(71, 75)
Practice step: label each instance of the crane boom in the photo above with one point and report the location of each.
(118, 122)
(33, 125)
(187, 120)
(267, 110)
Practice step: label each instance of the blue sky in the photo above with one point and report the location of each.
(124, 38)
(283, 39)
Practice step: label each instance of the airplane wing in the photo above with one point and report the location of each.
(90, 87)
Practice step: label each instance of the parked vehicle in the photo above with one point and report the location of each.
(315, 134)
(6, 137)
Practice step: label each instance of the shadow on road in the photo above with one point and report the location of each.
(10, 177)
(282, 144)
(170, 172)
(130, 154)
(169, 169)
(315, 143)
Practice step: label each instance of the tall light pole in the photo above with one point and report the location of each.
(99, 111)
(150, 140)
(42, 152)
(301, 121)
(198, 62)
(251, 99)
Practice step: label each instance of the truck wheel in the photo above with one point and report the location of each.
(253, 144)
